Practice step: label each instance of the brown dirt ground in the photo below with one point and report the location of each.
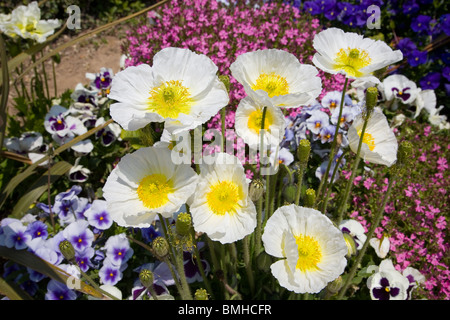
(87, 56)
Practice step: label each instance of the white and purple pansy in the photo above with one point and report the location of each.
(387, 283)
(317, 121)
(399, 87)
(118, 249)
(98, 215)
(79, 235)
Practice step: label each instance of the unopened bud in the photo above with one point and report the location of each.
(310, 198)
(160, 246)
(183, 224)
(201, 294)
(351, 245)
(67, 250)
(264, 261)
(290, 192)
(404, 153)
(303, 151)
(256, 189)
(371, 98)
(146, 277)
(226, 81)
(335, 285)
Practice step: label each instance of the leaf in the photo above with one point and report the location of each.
(13, 291)
(31, 169)
(39, 187)
(32, 261)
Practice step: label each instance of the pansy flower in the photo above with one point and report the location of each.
(399, 87)
(14, 234)
(355, 230)
(351, 54)
(98, 216)
(379, 144)
(317, 121)
(83, 258)
(222, 207)
(109, 134)
(311, 250)
(59, 291)
(414, 277)
(101, 80)
(37, 229)
(26, 143)
(332, 100)
(387, 283)
(145, 183)
(118, 249)
(181, 85)
(110, 273)
(278, 77)
(79, 234)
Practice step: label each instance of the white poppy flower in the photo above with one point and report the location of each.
(277, 77)
(145, 183)
(25, 22)
(379, 142)
(249, 121)
(312, 250)
(351, 54)
(181, 85)
(222, 207)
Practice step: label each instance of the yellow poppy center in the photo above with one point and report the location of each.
(309, 253)
(223, 197)
(170, 99)
(273, 84)
(154, 189)
(351, 61)
(255, 120)
(368, 139)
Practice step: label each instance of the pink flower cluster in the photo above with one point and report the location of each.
(223, 33)
(416, 215)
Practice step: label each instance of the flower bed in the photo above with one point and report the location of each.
(125, 187)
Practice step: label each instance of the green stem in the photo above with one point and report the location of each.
(300, 174)
(324, 179)
(258, 231)
(95, 285)
(343, 204)
(248, 264)
(223, 114)
(185, 289)
(54, 78)
(379, 215)
(328, 191)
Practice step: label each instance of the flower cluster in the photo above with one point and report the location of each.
(25, 22)
(421, 203)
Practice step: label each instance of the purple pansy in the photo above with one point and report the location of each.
(431, 81)
(79, 234)
(317, 121)
(387, 283)
(98, 215)
(110, 273)
(59, 291)
(118, 249)
(421, 23)
(14, 235)
(37, 229)
(417, 57)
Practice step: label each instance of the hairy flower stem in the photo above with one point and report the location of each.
(324, 179)
(185, 289)
(259, 222)
(300, 173)
(200, 267)
(379, 215)
(248, 264)
(348, 188)
(328, 191)
(223, 115)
